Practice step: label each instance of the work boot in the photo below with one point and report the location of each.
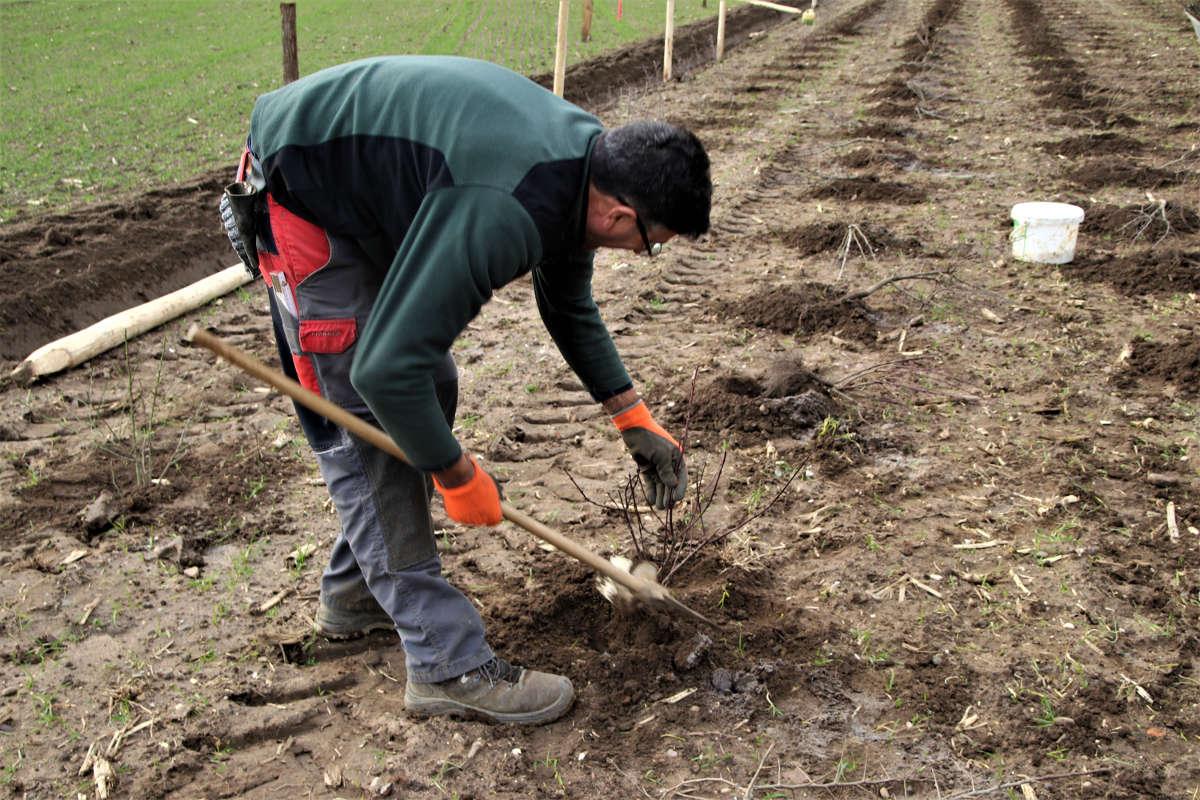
(497, 692)
(333, 623)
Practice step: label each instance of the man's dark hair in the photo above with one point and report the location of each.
(660, 169)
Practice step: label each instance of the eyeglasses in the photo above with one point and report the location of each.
(652, 248)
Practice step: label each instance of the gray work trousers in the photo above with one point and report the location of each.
(385, 555)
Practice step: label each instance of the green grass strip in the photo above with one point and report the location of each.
(104, 97)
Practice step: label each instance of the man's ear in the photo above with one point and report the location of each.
(608, 211)
(620, 213)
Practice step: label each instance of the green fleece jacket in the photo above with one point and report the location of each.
(454, 177)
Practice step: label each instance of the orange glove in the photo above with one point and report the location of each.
(476, 502)
(659, 457)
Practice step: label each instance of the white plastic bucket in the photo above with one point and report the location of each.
(1045, 232)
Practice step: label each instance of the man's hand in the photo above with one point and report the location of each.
(473, 497)
(659, 457)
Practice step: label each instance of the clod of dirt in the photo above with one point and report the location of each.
(55, 237)
(727, 681)
(690, 653)
(869, 189)
(1101, 172)
(808, 308)
(98, 515)
(170, 550)
(1177, 363)
(1094, 144)
(894, 89)
(788, 377)
(1134, 222)
(1152, 271)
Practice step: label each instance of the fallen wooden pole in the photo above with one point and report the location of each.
(773, 6)
(109, 332)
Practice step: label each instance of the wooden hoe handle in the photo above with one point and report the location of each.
(651, 592)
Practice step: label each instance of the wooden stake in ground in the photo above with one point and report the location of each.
(109, 332)
(669, 40)
(586, 34)
(291, 59)
(560, 47)
(721, 30)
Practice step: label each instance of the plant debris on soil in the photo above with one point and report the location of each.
(973, 565)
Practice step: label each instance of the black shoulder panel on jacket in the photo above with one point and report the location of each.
(357, 186)
(551, 193)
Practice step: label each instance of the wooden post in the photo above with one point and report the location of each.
(721, 30)
(669, 40)
(560, 47)
(291, 62)
(586, 36)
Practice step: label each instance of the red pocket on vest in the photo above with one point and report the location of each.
(327, 335)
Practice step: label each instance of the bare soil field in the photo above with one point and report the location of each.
(955, 496)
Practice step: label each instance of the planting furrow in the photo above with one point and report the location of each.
(1063, 85)
(1119, 42)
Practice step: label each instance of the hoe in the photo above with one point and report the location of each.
(632, 586)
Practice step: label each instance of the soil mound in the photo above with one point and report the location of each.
(865, 157)
(808, 308)
(1094, 119)
(1139, 221)
(1153, 271)
(893, 109)
(1094, 144)
(1166, 362)
(870, 189)
(883, 130)
(822, 236)
(1113, 171)
(790, 399)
